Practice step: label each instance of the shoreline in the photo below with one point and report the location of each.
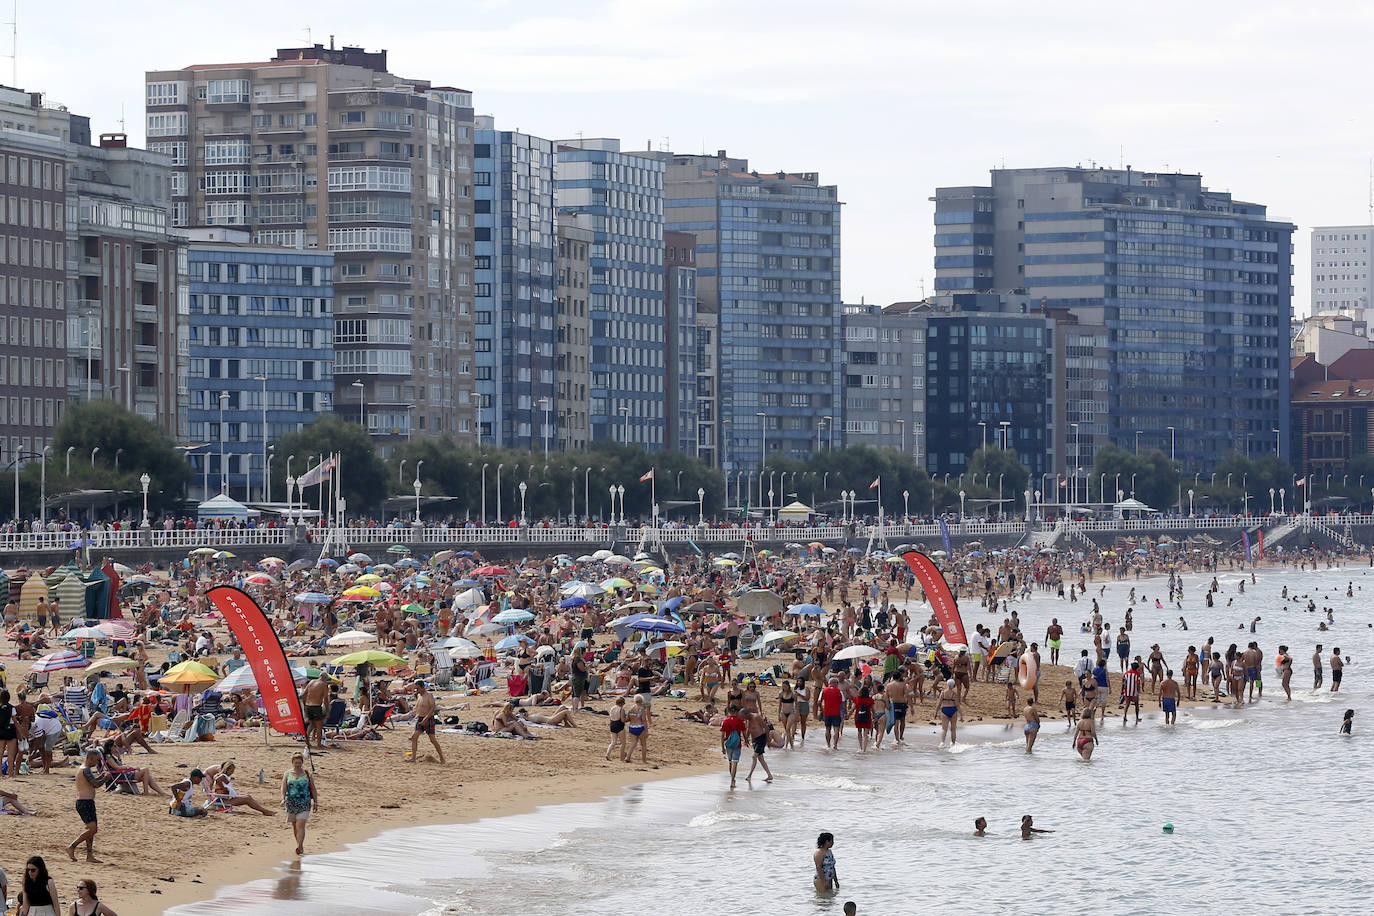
(504, 798)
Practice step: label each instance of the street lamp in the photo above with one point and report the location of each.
(984, 425)
(267, 477)
(499, 517)
(416, 485)
(362, 403)
(906, 506)
(1190, 502)
(290, 498)
(1137, 442)
(143, 481)
(118, 452)
(1276, 440)
(93, 451)
(611, 490)
(70, 449)
(961, 507)
(999, 496)
(701, 508)
(547, 405)
(1282, 492)
(677, 486)
(1271, 500)
(484, 493)
(401, 472)
(1132, 486)
(1006, 434)
(265, 470)
(1077, 446)
(223, 475)
(620, 491)
(830, 429)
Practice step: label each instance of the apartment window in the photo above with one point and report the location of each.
(176, 149)
(165, 93)
(227, 152)
(347, 118)
(227, 91)
(167, 125)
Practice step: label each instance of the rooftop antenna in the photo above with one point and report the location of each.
(14, 45)
(1371, 192)
(307, 36)
(122, 127)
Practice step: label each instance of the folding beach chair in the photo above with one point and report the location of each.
(379, 715)
(338, 710)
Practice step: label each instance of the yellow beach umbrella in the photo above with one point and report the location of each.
(363, 591)
(368, 578)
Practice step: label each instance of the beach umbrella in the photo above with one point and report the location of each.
(585, 590)
(349, 568)
(122, 569)
(572, 602)
(976, 553)
(467, 583)
(768, 638)
(193, 667)
(793, 546)
(60, 661)
(224, 555)
(643, 556)
(350, 638)
(602, 554)
(413, 608)
(313, 598)
(829, 550)
(121, 630)
(441, 556)
(648, 588)
(938, 553)
(370, 657)
(511, 643)
(135, 580)
(636, 606)
(657, 625)
(512, 616)
(242, 678)
(895, 561)
(853, 550)
(328, 563)
(399, 549)
(563, 560)
(298, 564)
(721, 561)
(368, 578)
(731, 556)
(455, 642)
(617, 560)
(760, 602)
(359, 558)
(203, 552)
(271, 561)
(700, 607)
(409, 563)
(672, 603)
(84, 633)
(365, 590)
(260, 579)
(616, 582)
(189, 678)
(113, 663)
(806, 610)
(586, 558)
(491, 571)
(651, 572)
(464, 553)
(381, 568)
(856, 651)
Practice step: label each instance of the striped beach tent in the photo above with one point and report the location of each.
(34, 590)
(71, 594)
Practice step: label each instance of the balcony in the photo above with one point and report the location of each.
(365, 157)
(145, 271)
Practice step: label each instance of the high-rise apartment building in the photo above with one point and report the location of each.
(768, 266)
(33, 188)
(680, 307)
(126, 319)
(621, 195)
(883, 358)
(514, 284)
(261, 351)
(572, 361)
(323, 148)
(1341, 256)
(1192, 286)
(708, 381)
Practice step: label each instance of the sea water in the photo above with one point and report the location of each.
(1270, 807)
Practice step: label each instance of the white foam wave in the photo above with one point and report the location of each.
(711, 818)
(843, 783)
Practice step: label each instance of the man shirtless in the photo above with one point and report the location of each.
(424, 721)
(1032, 727)
(1054, 633)
(1317, 668)
(897, 695)
(1337, 668)
(88, 779)
(1168, 697)
(316, 701)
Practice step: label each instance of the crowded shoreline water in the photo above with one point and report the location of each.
(1246, 789)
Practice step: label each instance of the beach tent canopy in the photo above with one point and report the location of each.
(221, 507)
(796, 511)
(1132, 505)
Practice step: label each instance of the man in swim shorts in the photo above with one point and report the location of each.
(832, 712)
(1168, 697)
(1317, 667)
(1130, 692)
(314, 698)
(897, 694)
(1054, 636)
(424, 721)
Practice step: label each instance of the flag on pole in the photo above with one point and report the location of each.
(1063, 484)
(877, 480)
(319, 472)
(647, 477)
(1301, 482)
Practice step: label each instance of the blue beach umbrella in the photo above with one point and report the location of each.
(650, 624)
(512, 642)
(572, 602)
(806, 610)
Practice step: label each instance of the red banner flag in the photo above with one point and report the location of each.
(264, 654)
(1261, 544)
(942, 602)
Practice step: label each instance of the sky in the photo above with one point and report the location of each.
(887, 100)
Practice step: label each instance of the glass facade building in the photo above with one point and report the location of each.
(768, 266)
(1192, 287)
(514, 285)
(621, 194)
(261, 324)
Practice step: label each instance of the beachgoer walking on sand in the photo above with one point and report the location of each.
(616, 723)
(298, 797)
(637, 720)
(424, 721)
(827, 879)
(88, 779)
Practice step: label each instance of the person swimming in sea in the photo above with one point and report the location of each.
(827, 879)
(1028, 827)
(1346, 724)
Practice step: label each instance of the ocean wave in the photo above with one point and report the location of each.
(843, 783)
(711, 818)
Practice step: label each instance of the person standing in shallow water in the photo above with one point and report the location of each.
(827, 879)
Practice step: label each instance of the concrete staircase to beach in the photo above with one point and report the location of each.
(1275, 535)
(1340, 537)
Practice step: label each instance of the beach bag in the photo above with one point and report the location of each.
(732, 741)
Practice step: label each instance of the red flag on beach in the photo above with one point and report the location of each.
(645, 478)
(265, 656)
(876, 480)
(942, 602)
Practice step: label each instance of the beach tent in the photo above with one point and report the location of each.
(796, 511)
(34, 590)
(221, 506)
(70, 592)
(97, 595)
